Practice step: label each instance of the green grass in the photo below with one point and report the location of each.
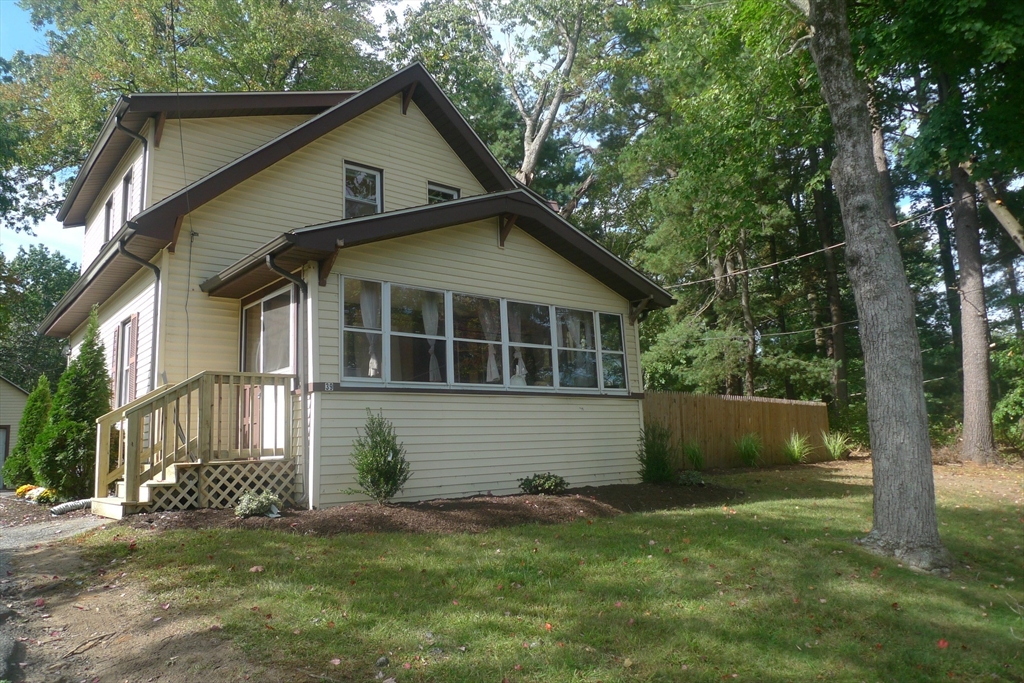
(768, 588)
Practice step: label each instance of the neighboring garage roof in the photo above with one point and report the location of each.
(154, 228)
(532, 215)
(135, 110)
(4, 379)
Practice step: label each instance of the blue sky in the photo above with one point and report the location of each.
(16, 33)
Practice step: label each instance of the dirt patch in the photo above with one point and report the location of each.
(16, 511)
(456, 515)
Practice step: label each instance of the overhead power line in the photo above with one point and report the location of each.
(755, 268)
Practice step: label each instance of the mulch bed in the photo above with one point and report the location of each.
(458, 515)
(20, 512)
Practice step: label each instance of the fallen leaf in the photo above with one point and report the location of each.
(336, 661)
(943, 643)
(256, 569)
(40, 602)
(165, 606)
(547, 626)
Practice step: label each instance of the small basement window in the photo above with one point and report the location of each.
(363, 196)
(437, 193)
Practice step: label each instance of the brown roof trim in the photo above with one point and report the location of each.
(158, 220)
(138, 108)
(534, 217)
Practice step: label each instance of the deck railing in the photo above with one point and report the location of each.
(210, 416)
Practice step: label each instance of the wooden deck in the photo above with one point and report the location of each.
(201, 443)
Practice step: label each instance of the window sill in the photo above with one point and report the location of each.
(479, 390)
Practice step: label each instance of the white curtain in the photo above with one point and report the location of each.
(369, 307)
(515, 333)
(430, 319)
(491, 325)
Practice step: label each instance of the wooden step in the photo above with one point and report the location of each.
(115, 508)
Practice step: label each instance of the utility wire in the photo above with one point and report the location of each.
(782, 334)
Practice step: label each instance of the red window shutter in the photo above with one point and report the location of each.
(133, 354)
(113, 370)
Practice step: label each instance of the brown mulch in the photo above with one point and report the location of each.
(458, 515)
(20, 512)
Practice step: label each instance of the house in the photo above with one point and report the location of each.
(269, 266)
(12, 404)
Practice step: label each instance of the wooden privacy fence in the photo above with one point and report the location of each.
(716, 422)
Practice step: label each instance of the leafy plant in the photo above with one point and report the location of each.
(24, 489)
(749, 447)
(18, 467)
(796, 448)
(379, 460)
(837, 444)
(694, 455)
(656, 454)
(48, 497)
(252, 504)
(690, 478)
(547, 483)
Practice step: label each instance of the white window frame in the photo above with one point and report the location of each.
(291, 333)
(450, 339)
(108, 218)
(446, 189)
(127, 185)
(379, 173)
(124, 340)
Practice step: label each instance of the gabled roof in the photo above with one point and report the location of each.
(532, 214)
(4, 379)
(135, 110)
(153, 228)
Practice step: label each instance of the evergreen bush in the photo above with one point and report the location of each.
(18, 467)
(656, 454)
(63, 456)
(547, 483)
(379, 460)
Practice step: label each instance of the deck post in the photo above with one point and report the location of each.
(102, 458)
(131, 460)
(205, 436)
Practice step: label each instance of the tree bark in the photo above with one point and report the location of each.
(904, 522)
(1006, 219)
(881, 161)
(946, 258)
(978, 439)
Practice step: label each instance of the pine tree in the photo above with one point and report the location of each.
(62, 458)
(18, 468)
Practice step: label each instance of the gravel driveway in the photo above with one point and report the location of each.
(17, 537)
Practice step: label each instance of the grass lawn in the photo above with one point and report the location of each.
(768, 588)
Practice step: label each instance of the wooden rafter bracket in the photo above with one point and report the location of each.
(407, 98)
(637, 310)
(177, 231)
(158, 130)
(506, 228)
(326, 265)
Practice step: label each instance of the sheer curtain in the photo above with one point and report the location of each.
(430, 319)
(369, 307)
(515, 333)
(491, 326)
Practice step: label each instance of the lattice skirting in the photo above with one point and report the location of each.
(183, 495)
(222, 483)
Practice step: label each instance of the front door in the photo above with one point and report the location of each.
(268, 331)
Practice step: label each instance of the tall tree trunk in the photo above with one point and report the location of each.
(978, 439)
(823, 219)
(748, 319)
(904, 491)
(881, 161)
(946, 258)
(1011, 281)
(780, 307)
(1006, 219)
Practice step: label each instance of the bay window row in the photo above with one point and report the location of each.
(394, 333)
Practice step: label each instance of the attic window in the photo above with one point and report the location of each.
(441, 193)
(362, 191)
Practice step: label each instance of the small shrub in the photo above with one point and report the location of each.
(24, 489)
(547, 483)
(694, 455)
(837, 444)
(796, 448)
(748, 447)
(656, 455)
(690, 478)
(379, 460)
(256, 504)
(48, 497)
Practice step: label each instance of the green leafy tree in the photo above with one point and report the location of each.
(37, 278)
(18, 467)
(63, 456)
(101, 49)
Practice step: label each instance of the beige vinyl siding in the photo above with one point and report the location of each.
(467, 259)
(208, 145)
(136, 297)
(12, 405)
(303, 189)
(466, 445)
(93, 240)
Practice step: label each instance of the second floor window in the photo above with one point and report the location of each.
(108, 219)
(126, 197)
(437, 193)
(363, 195)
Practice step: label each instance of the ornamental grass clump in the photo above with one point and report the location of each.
(656, 454)
(379, 460)
(547, 484)
(694, 454)
(837, 444)
(796, 448)
(749, 447)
